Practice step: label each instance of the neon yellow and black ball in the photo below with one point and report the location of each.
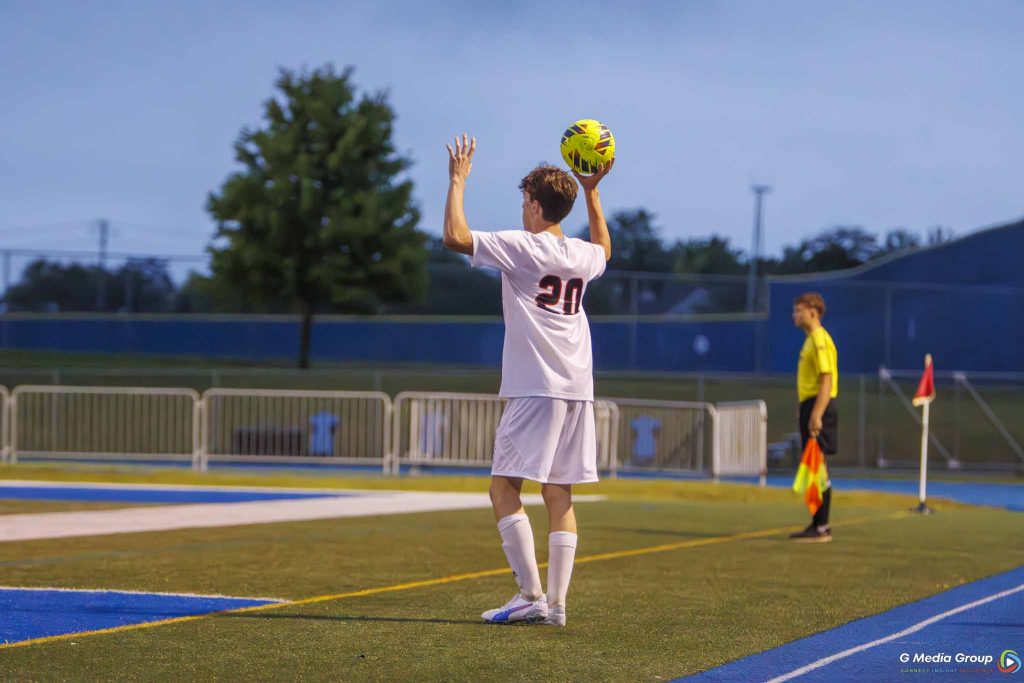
(586, 145)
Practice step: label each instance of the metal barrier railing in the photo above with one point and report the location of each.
(5, 425)
(672, 435)
(606, 414)
(104, 422)
(977, 409)
(285, 426)
(343, 427)
(454, 429)
(741, 439)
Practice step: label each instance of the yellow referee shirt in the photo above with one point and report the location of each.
(817, 357)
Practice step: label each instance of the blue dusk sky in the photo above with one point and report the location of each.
(877, 114)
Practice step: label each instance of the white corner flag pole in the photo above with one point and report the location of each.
(924, 457)
(923, 484)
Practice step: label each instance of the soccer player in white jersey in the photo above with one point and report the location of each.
(547, 431)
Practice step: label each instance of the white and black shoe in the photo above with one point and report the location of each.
(519, 609)
(556, 616)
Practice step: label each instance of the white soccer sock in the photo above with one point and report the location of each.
(517, 542)
(561, 554)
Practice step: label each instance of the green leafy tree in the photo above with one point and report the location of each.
(711, 256)
(143, 285)
(900, 239)
(940, 235)
(320, 216)
(455, 288)
(140, 285)
(53, 286)
(208, 294)
(636, 243)
(835, 249)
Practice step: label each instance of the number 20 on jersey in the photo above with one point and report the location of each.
(570, 296)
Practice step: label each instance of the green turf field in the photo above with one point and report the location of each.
(672, 578)
(26, 507)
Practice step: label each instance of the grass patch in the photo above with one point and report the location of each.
(14, 506)
(647, 617)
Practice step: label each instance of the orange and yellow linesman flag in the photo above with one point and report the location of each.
(812, 476)
(926, 387)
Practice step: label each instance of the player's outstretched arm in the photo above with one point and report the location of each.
(595, 214)
(456, 228)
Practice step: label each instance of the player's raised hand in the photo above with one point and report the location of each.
(460, 159)
(589, 182)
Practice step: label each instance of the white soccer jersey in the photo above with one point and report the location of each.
(547, 336)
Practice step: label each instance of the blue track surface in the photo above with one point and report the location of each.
(983, 631)
(1009, 496)
(313, 466)
(37, 613)
(152, 495)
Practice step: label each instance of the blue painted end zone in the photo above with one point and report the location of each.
(151, 495)
(38, 613)
(985, 630)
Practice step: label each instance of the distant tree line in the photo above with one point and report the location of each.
(452, 287)
(319, 218)
(640, 247)
(142, 285)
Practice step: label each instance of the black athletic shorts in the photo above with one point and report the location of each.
(828, 439)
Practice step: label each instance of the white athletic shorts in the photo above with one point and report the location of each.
(549, 440)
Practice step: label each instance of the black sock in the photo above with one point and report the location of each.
(821, 516)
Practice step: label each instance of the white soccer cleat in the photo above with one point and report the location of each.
(518, 609)
(556, 616)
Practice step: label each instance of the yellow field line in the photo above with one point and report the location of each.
(601, 557)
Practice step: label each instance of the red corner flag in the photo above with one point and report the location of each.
(926, 388)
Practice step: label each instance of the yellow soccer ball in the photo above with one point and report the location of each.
(586, 145)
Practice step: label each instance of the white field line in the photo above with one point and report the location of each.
(205, 515)
(825, 661)
(127, 592)
(29, 483)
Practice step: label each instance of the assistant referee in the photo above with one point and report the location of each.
(817, 384)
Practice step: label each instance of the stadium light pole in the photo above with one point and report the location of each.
(755, 251)
(101, 290)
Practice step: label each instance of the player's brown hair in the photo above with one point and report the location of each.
(553, 188)
(811, 300)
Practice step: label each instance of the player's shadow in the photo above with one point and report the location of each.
(353, 617)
